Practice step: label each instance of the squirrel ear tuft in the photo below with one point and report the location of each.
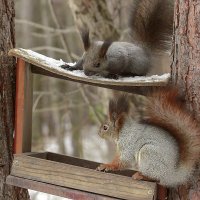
(86, 39)
(104, 48)
(120, 121)
(118, 107)
(112, 108)
(122, 104)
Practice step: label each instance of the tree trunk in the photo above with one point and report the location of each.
(7, 97)
(186, 74)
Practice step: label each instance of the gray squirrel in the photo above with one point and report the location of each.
(151, 24)
(164, 145)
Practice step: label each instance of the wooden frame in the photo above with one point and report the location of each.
(22, 143)
(69, 172)
(54, 189)
(27, 65)
(23, 108)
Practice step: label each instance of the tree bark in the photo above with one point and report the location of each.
(186, 74)
(7, 98)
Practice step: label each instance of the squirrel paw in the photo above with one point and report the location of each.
(107, 167)
(65, 66)
(112, 76)
(139, 176)
(68, 67)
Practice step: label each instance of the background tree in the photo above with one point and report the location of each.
(186, 74)
(7, 100)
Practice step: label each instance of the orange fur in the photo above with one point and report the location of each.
(115, 165)
(139, 176)
(165, 109)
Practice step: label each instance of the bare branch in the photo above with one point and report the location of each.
(87, 100)
(69, 29)
(37, 101)
(60, 106)
(55, 49)
(42, 48)
(56, 92)
(58, 27)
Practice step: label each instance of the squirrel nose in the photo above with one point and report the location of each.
(89, 73)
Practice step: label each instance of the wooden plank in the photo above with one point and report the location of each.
(75, 161)
(23, 108)
(54, 189)
(80, 178)
(125, 88)
(52, 66)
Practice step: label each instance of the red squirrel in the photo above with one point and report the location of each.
(151, 27)
(164, 145)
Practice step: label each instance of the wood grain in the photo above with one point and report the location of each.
(131, 88)
(81, 178)
(54, 189)
(75, 161)
(23, 108)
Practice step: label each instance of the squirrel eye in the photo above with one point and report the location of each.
(97, 65)
(105, 127)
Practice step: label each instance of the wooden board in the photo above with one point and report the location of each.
(132, 88)
(51, 66)
(23, 107)
(81, 175)
(54, 189)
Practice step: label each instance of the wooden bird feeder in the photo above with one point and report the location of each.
(63, 175)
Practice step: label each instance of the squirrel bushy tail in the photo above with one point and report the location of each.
(165, 109)
(151, 22)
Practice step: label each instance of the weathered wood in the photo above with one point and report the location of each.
(75, 161)
(80, 178)
(23, 108)
(52, 67)
(55, 190)
(124, 88)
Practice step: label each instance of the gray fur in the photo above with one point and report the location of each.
(154, 151)
(122, 58)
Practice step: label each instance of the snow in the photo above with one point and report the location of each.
(44, 196)
(47, 60)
